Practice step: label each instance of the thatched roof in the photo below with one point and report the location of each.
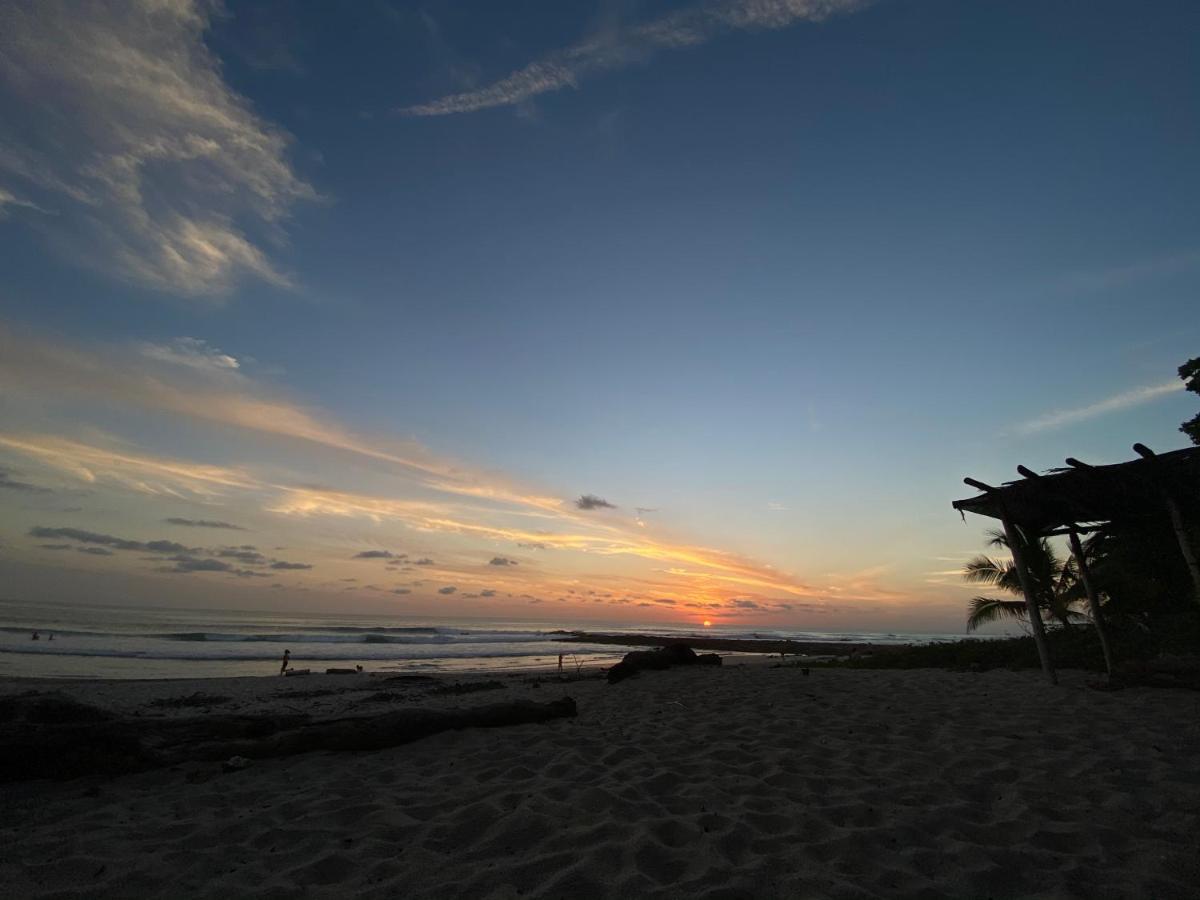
(1083, 493)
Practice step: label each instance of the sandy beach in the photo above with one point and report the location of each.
(739, 781)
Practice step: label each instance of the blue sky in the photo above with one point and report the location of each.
(780, 271)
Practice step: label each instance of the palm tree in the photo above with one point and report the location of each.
(1055, 583)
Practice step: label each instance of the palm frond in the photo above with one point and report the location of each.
(984, 570)
(997, 538)
(985, 610)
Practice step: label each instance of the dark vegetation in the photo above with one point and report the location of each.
(1138, 558)
(1145, 591)
(1190, 373)
(1072, 648)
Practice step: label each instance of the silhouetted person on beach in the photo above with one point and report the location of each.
(36, 637)
(287, 658)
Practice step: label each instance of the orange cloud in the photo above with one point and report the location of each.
(125, 377)
(146, 474)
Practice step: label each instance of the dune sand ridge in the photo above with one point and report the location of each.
(741, 781)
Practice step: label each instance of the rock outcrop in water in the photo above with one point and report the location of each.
(665, 658)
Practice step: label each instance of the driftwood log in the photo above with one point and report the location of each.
(674, 655)
(53, 736)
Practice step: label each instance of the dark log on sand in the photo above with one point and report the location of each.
(381, 731)
(54, 736)
(674, 655)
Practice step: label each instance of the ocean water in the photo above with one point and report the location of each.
(87, 641)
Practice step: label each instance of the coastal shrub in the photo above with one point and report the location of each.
(1071, 648)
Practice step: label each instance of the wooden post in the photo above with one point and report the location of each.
(1185, 543)
(1085, 575)
(1181, 534)
(1035, 615)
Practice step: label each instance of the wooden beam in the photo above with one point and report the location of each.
(978, 485)
(1076, 464)
(1085, 576)
(1081, 529)
(1185, 544)
(1016, 545)
(1072, 504)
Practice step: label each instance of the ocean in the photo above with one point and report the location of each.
(88, 641)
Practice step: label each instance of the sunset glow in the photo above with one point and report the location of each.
(632, 343)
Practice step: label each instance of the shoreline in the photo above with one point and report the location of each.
(772, 646)
(616, 644)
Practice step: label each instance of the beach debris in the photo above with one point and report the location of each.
(235, 764)
(376, 732)
(291, 673)
(343, 671)
(50, 735)
(664, 658)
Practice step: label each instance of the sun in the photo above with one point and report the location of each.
(707, 624)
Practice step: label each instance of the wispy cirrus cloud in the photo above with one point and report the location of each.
(1116, 403)
(689, 562)
(191, 352)
(160, 168)
(700, 567)
(463, 511)
(198, 381)
(623, 47)
(9, 201)
(138, 471)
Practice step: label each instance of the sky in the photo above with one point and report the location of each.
(603, 311)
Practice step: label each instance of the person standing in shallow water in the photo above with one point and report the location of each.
(287, 658)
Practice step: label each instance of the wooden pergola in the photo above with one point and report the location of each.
(1077, 499)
